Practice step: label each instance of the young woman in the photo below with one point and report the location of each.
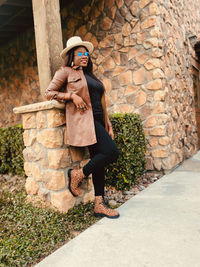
(87, 119)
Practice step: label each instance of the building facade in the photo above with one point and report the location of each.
(144, 54)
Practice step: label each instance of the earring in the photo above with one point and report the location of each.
(72, 64)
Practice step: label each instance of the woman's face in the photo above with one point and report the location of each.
(81, 56)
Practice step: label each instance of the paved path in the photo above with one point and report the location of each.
(158, 227)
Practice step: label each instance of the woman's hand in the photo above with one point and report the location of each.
(110, 132)
(79, 103)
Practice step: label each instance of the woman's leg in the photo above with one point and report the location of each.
(102, 153)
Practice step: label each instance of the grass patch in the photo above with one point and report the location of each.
(28, 233)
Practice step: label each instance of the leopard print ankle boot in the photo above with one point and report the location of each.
(75, 177)
(100, 210)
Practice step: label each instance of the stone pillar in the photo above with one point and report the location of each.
(48, 36)
(47, 157)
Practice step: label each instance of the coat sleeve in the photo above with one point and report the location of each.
(53, 90)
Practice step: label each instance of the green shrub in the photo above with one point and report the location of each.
(130, 140)
(28, 233)
(11, 147)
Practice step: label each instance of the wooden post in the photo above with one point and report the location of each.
(48, 36)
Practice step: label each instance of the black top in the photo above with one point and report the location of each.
(96, 90)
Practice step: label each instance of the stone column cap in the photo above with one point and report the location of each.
(52, 104)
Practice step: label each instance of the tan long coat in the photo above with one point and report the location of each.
(80, 127)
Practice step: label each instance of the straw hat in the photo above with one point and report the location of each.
(76, 41)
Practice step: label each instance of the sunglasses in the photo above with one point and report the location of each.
(80, 54)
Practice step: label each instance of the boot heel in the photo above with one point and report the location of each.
(97, 215)
(69, 175)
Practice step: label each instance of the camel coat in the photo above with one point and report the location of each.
(80, 127)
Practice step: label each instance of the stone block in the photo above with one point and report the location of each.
(125, 108)
(132, 53)
(118, 70)
(119, 3)
(99, 60)
(126, 29)
(112, 12)
(153, 142)
(142, 58)
(160, 153)
(50, 138)
(141, 98)
(149, 165)
(136, 29)
(143, 3)
(157, 52)
(125, 78)
(152, 64)
(29, 121)
(54, 180)
(151, 42)
(31, 186)
(164, 141)
(109, 3)
(159, 96)
(109, 63)
(106, 42)
(130, 90)
(29, 137)
(41, 120)
(129, 41)
(107, 84)
(63, 201)
(27, 168)
(59, 158)
(158, 73)
(139, 76)
(158, 131)
(150, 122)
(141, 36)
(106, 24)
(148, 23)
(157, 164)
(154, 9)
(134, 8)
(154, 85)
(88, 197)
(41, 155)
(158, 107)
(35, 172)
(76, 153)
(29, 154)
(116, 57)
(55, 118)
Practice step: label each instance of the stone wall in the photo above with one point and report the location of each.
(18, 77)
(142, 55)
(177, 22)
(48, 157)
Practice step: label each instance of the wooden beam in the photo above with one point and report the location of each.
(48, 36)
(21, 3)
(2, 2)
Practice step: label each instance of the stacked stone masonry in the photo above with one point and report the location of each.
(48, 158)
(143, 56)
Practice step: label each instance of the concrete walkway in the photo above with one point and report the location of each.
(158, 227)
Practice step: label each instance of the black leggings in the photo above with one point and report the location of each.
(102, 153)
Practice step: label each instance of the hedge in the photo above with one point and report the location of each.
(129, 137)
(131, 142)
(11, 147)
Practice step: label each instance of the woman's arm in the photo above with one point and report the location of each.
(108, 124)
(59, 79)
